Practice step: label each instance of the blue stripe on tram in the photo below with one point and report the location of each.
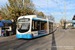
(40, 35)
(27, 36)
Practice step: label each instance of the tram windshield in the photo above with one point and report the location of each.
(23, 26)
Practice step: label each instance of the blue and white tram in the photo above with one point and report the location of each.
(32, 26)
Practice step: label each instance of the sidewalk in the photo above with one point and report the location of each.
(7, 38)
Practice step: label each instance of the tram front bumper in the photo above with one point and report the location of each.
(26, 36)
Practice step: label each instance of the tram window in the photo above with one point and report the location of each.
(43, 25)
(35, 25)
(32, 25)
(39, 25)
(50, 26)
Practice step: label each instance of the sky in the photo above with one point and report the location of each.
(53, 6)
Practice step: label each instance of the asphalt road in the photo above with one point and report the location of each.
(41, 43)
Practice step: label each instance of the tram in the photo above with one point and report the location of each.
(32, 26)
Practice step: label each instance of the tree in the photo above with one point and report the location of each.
(16, 8)
(41, 14)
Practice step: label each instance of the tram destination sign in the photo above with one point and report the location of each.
(23, 20)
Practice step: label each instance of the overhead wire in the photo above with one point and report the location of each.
(59, 9)
(58, 6)
(43, 8)
(48, 9)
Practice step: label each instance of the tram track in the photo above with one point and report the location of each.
(38, 42)
(22, 42)
(21, 45)
(13, 44)
(37, 39)
(48, 41)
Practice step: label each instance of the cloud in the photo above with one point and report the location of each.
(59, 13)
(44, 3)
(3, 1)
(54, 4)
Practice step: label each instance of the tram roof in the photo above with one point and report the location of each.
(40, 17)
(34, 16)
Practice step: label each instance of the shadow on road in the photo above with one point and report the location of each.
(53, 47)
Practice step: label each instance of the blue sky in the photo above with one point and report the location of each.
(51, 6)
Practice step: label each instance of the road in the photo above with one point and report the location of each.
(61, 39)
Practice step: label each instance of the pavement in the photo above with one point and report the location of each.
(61, 39)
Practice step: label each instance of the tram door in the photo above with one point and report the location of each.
(48, 27)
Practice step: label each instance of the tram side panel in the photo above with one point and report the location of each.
(50, 27)
(39, 28)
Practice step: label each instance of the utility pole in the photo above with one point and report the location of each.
(62, 20)
(65, 10)
(65, 16)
